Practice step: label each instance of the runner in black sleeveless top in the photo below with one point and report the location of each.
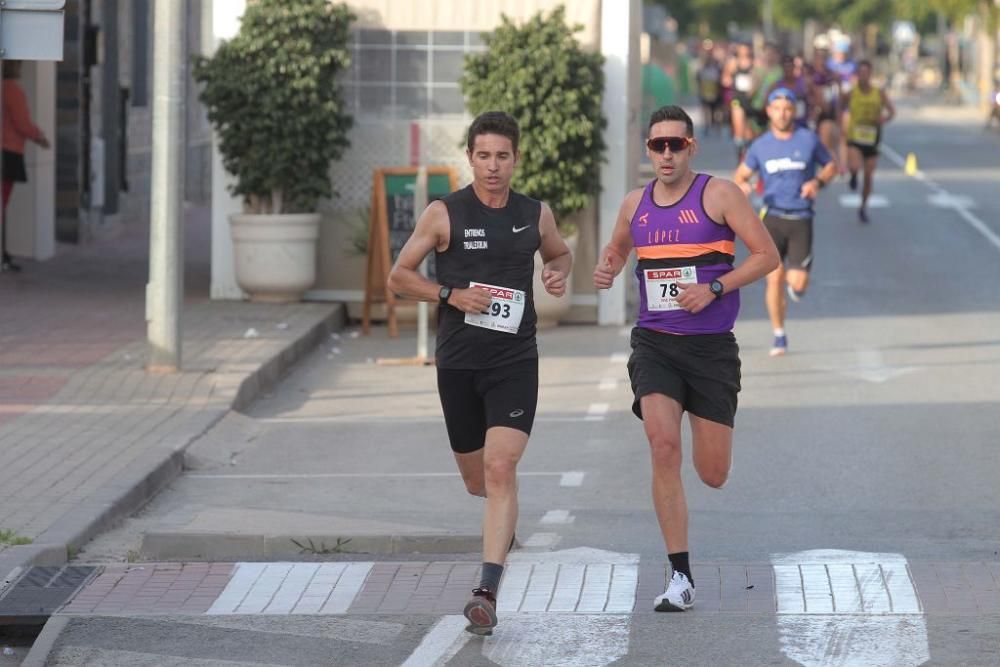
(495, 246)
(486, 237)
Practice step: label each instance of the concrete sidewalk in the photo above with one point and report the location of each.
(87, 436)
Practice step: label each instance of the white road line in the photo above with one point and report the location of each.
(378, 419)
(853, 200)
(608, 384)
(848, 608)
(557, 517)
(962, 211)
(572, 475)
(619, 358)
(571, 478)
(541, 541)
(870, 367)
(596, 412)
(440, 645)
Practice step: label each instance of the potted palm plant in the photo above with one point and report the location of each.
(540, 74)
(272, 95)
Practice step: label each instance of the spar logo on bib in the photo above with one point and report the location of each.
(670, 274)
(501, 293)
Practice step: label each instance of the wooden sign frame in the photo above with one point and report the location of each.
(380, 257)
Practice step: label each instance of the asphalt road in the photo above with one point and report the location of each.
(874, 439)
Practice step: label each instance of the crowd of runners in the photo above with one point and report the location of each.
(788, 122)
(796, 125)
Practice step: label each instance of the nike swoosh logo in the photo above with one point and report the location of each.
(518, 230)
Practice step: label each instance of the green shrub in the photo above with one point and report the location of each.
(538, 73)
(273, 97)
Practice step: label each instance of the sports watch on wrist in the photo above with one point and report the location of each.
(444, 294)
(717, 288)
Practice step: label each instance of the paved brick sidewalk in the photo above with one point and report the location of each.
(528, 587)
(86, 434)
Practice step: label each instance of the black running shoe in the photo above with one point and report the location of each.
(481, 611)
(7, 265)
(862, 216)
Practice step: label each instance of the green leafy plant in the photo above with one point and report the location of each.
(538, 73)
(321, 550)
(273, 97)
(9, 537)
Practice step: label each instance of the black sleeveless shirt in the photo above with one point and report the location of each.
(495, 246)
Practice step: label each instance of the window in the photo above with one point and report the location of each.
(407, 74)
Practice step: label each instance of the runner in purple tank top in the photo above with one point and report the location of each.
(683, 228)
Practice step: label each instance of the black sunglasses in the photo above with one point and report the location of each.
(675, 144)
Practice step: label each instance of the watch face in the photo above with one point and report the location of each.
(716, 287)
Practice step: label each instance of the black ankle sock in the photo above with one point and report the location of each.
(679, 563)
(491, 577)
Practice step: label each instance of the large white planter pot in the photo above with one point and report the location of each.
(551, 309)
(275, 255)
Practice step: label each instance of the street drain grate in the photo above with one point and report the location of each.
(41, 591)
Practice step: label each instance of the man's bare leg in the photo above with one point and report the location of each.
(504, 449)
(470, 465)
(661, 418)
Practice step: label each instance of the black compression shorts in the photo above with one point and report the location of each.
(794, 239)
(477, 400)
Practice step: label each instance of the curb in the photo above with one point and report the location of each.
(38, 656)
(160, 546)
(160, 465)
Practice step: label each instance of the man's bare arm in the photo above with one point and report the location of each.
(555, 253)
(612, 259)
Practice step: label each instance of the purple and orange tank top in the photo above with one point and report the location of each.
(680, 243)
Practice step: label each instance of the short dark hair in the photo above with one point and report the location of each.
(671, 112)
(865, 63)
(494, 122)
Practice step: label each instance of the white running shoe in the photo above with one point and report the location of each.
(678, 596)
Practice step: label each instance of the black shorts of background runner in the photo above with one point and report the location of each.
(701, 372)
(474, 400)
(794, 239)
(868, 151)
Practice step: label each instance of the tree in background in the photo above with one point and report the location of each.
(711, 18)
(273, 95)
(540, 75)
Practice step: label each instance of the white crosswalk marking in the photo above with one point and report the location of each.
(849, 608)
(291, 588)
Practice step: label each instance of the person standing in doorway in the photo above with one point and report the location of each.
(17, 129)
(683, 226)
(485, 237)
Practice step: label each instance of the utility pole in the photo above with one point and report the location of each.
(165, 290)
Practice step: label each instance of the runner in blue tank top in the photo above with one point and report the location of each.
(787, 159)
(685, 358)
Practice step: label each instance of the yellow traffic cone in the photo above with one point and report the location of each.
(911, 164)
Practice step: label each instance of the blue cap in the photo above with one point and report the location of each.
(778, 93)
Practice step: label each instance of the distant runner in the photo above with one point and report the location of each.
(867, 110)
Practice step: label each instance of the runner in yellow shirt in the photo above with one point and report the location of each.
(866, 110)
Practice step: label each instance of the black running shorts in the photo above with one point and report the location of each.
(794, 239)
(867, 150)
(476, 400)
(701, 372)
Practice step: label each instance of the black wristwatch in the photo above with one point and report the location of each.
(444, 294)
(716, 288)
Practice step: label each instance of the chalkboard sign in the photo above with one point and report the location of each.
(393, 221)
